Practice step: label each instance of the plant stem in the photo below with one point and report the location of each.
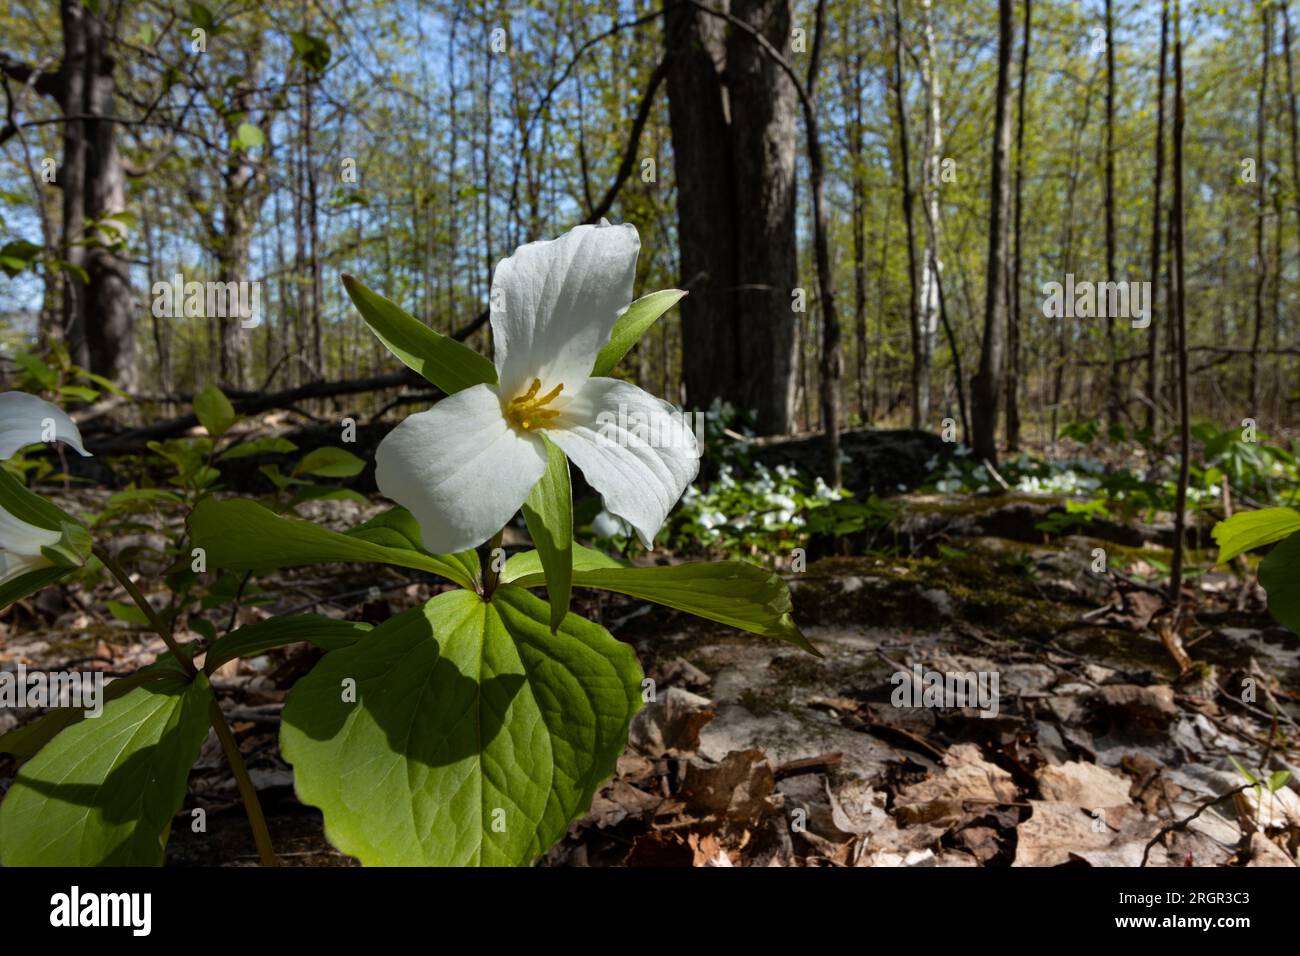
(261, 836)
(252, 807)
(487, 561)
(142, 603)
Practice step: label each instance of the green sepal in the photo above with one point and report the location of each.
(631, 325)
(439, 358)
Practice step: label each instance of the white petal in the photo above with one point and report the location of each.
(24, 419)
(633, 448)
(460, 469)
(20, 546)
(555, 303)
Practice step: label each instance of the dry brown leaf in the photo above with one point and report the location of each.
(1083, 785)
(967, 779)
(671, 724)
(736, 792)
(1264, 852)
(1142, 705)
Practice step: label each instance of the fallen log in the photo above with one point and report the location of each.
(250, 402)
(247, 403)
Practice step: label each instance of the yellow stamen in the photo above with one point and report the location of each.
(527, 411)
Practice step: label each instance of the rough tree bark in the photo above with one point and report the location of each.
(763, 145)
(732, 113)
(697, 110)
(97, 321)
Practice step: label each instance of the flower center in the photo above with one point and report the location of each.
(528, 411)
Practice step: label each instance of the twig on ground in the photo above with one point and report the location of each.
(1183, 823)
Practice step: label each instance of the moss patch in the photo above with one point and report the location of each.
(995, 591)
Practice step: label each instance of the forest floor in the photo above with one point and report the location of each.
(756, 753)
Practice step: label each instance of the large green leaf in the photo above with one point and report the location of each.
(1248, 530)
(548, 511)
(104, 791)
(475, 737)
(632, 324)
(256, 639)
(25, 741)
(441, 359)
(241, 535)
(730, 592)
(1279, 575)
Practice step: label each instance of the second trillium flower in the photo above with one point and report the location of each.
(464, 467)
(28, 420)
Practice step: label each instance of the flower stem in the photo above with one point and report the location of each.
(487, 561)
(162, 630)
(252, 806)
(261, 836)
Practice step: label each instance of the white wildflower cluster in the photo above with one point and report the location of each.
(751, 506)
(1059, 483)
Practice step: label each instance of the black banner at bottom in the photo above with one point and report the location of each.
(338, 905)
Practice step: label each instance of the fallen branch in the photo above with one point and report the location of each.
(250, 403)
(1183, 823)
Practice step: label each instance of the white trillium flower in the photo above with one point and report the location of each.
(464, 467)
(28, 420)
(605, 525)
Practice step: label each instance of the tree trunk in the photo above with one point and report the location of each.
(920, 366)
(313, 233)
(931, 265)
(987, 386)
(1114, 401)
(1261, 206)
(240, 205)
(1180, 324)
(831, 360)
(1153, 336)
(1015, 317)
(697, 112)
(1292, 110)
(1063, 329)
(734, 154)
(1295, 134)
(933, 310)
(763, 143)
(853, 67)
(97, 317)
